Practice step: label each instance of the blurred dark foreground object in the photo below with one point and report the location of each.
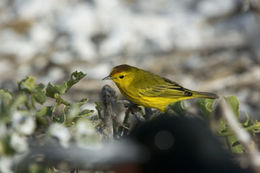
(161, 145)
(180, 144)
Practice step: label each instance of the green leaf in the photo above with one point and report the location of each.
(19, 100)
(46, 111)
(206, 106)
(27, 84)
(51, 90)
(6, 100)
(59, 118)
(178, 107)
(248, 121)
(222, 126)
(5, 146)
(70, 113)
(82, 102)
(256, 125)
(253, 128)
(86, 112)
(43, 116)
(234, 145)
(54, 90)
(74, 78)
(37, 168)
(39, 93)
(234, 104)
(5, 95)
(99, 109)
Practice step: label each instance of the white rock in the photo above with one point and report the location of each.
(61, 57)
(85, 127)
(24, 124)
(6, 164)
(16, 44)
(32, 9)
(80, 23)
(5, 66)
(212, 8)
(18, 142)
(23, 70)
(42, 35)
(86, 135)
(54, 74)
(61, 133)
(98, 71)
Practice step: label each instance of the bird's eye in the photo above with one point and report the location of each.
(121, 77)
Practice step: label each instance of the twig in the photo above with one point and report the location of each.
(108, 98)
(242, 135)
(252, 127)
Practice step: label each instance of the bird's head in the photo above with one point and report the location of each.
(122, 75)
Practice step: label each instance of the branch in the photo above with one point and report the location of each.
(108, 98)
(242, 135)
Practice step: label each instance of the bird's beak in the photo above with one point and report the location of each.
(107, 78)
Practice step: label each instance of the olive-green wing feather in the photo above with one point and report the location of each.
(165, 88)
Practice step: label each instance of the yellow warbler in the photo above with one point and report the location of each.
(150, 90)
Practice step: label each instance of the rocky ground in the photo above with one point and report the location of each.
(204, 45)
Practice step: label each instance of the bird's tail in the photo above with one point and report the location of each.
(205, 95)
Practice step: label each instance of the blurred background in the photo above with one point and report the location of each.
(205, 45)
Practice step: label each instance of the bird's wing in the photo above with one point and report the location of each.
(165, 89)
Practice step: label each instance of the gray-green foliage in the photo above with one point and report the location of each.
(31, 112)
(206, 107)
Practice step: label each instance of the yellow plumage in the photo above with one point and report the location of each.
(150, 90)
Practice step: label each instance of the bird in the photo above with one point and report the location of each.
(150, 90)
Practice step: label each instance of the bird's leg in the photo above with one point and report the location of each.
(133, 115)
